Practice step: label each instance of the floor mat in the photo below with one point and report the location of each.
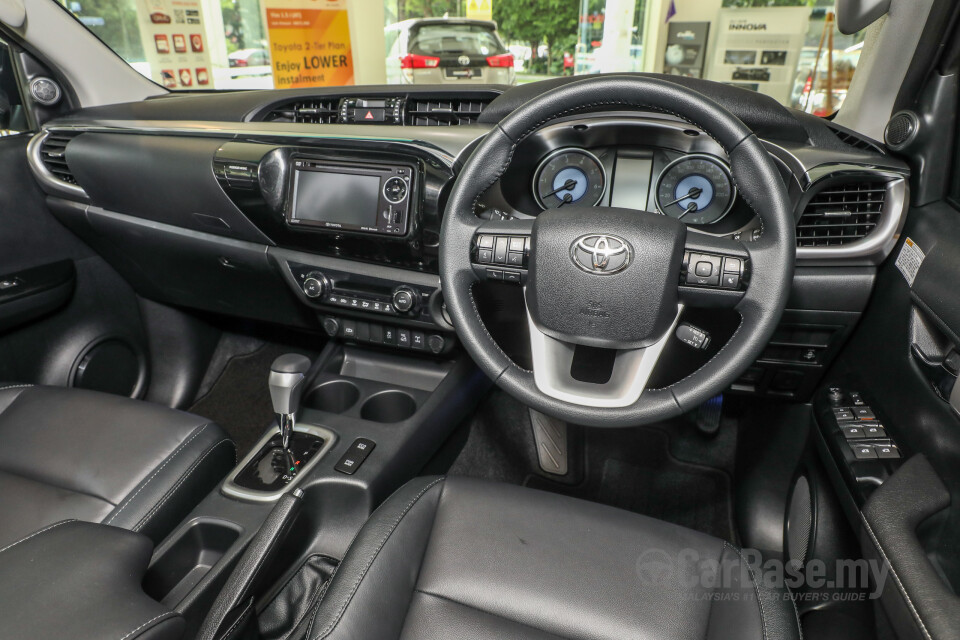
(634, 470)
(239, 401)
(668, 471)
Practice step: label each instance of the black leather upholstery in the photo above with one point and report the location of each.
(49, 591)
(73, 454)
(460, 558)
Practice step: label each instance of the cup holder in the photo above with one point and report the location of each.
(335, 396)
(388, 406)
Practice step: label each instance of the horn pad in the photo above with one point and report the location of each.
(605, 277)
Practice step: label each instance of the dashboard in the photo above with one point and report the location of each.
(283, 206)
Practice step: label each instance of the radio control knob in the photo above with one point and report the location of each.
(314, 285)
(404, 299)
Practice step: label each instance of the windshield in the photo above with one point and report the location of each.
(787, 49)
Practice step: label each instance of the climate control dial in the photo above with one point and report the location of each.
(314, 284)
(405, 299)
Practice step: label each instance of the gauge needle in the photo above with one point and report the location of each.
(693, 193)
(690, 209)
(567, 199)
(567, 186)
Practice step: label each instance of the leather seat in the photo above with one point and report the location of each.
(460, 558)
(74, 454)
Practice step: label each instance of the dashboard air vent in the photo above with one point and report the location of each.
(53, 154)
(309, 111)
(443, 113)
(841, 213)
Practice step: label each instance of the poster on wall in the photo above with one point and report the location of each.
(173, 37)
(686, 48)
(309, 43)
(759, 48)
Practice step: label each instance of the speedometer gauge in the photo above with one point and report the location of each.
(569, 176)
(696, 189)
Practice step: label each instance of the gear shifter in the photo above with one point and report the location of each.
(287, 376)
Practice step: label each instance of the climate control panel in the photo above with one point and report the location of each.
(335, 291)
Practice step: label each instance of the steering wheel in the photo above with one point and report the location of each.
(616, 278)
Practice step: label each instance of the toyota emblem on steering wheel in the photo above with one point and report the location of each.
(601, 254)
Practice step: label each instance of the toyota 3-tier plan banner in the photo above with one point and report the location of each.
(309, 43)
(174, 40)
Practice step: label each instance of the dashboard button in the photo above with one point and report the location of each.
(403, 338)
(348, 329)
(389, 336)
(418, 341)
(376, 334)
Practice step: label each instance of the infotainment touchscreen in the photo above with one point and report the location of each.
(336, 199)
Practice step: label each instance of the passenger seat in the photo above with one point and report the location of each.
(70, 453)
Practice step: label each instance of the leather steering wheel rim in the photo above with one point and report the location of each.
(771, 256)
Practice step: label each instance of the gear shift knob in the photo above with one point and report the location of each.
(287, 376)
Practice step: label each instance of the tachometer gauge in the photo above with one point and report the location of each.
(696, 189)
(569, 176)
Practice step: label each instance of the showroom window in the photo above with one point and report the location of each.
(788, 49)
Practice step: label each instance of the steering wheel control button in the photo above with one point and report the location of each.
(358, 452)
(500, 250)
(704, 269)
(494, 274)
(692, 336)
(512, 277)
(864, 452)
(485, 256)
(485, 242)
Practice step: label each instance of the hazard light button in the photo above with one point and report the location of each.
(370, 115)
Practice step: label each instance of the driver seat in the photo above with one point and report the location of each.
(463, 558)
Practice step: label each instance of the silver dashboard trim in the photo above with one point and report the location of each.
(230, 488)
(35, 159)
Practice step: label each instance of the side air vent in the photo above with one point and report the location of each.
(53, 154)
(855, 140)
(841, 213)
(309, 111)
(427, 112)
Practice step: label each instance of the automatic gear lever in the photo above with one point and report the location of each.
(287, 376)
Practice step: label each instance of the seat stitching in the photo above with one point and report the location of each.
(903, 590)
(154, 619)
(796, 613)
(173, 489)
(36, 533)
(756, 587)
(356, 585)
(489, 613)
(15, 386)
(196, 432)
